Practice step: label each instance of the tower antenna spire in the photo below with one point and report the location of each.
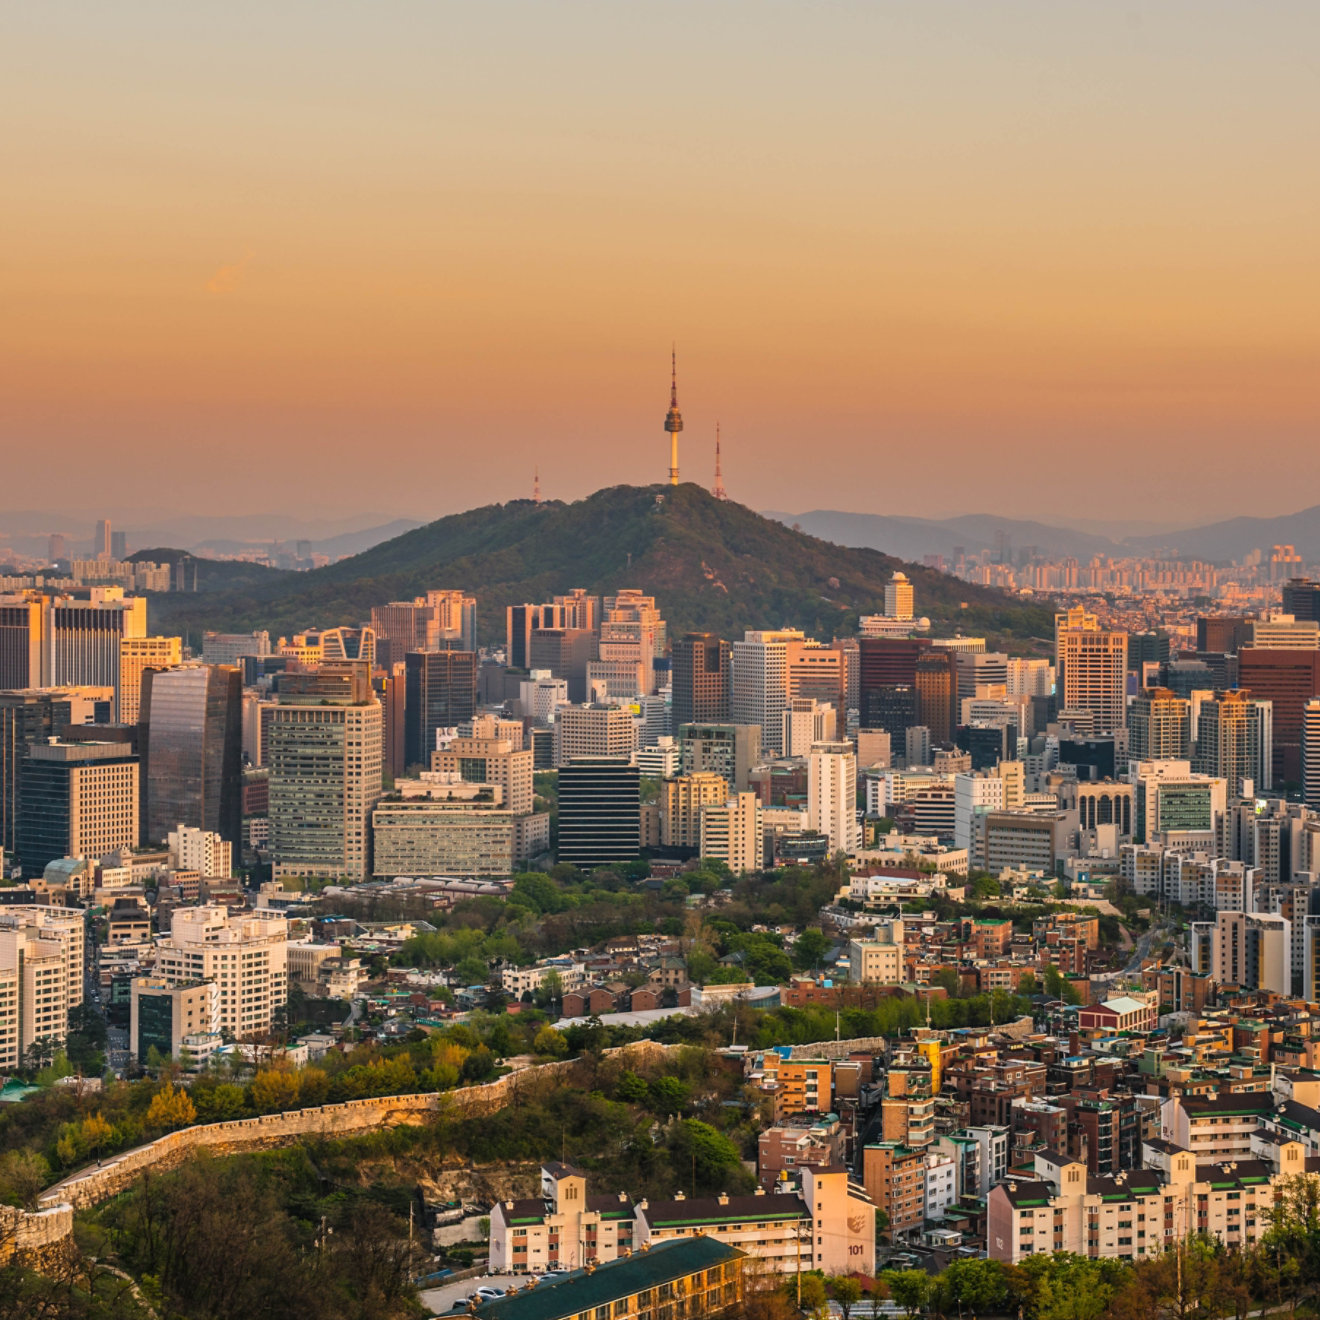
(718, 488)
(673, 419)
(536, 486)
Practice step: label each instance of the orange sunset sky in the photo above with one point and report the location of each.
(1046, 259)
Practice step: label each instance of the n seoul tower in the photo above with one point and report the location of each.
(673, 419)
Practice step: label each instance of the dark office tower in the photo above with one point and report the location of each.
(988, 744)
(1222, 666)
(1183, 677)
(1228, 633)
(1301, 599)
(1147, 646)
(936, 682)
(391, 691)
(600, 812)
(701, 679)
(1289, 679)
(440, 693)
(22, 631)
(565, 652)
(194, 723)
(884, 662)
(118, 545)
(1092, 758)
(892, 708)
(26, 719)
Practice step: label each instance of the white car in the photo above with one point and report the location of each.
(488, 1294)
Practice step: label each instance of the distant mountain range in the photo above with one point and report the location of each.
(914, 538)
(711, 565)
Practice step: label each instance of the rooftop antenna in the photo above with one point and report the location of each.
(718, 489)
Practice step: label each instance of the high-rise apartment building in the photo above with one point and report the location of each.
(136, 656)
(599, 812)
(1092, 667)
(324, 750)
(1251, 950)
(194, 719)
(701, 679)
(733, 832)
(1288, 679)
(76, 800)
(1310, 754)
(1235, 740)
(246, 957)
(681, 802)
(832, 795)
(1159, 726)
(42, 970)
(441, 693)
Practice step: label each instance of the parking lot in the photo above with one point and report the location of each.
(439, 1300)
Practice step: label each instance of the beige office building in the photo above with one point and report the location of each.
(490, 760)
(137, 654)
(594, 731)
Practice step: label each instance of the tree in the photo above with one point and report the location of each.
(812, 945)
(550, 1042)
(978, 1285)
(23, 1175)
(170, 1108)
(668, 1095)
(910, 1289)
(846, 1291)
(273, 1090)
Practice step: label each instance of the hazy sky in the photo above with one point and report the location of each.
(923, 257)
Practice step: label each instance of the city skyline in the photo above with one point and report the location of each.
(443, 235)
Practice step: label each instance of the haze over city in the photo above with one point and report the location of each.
(347, 256)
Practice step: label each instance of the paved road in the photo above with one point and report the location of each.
(441, 1299)
(1142, 950)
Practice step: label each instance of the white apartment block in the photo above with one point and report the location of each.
(203, 851)
(247, 957)
(806, 722)
(832, 795)
(733, 832)
(41, 977)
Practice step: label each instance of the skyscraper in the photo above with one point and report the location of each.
(324, 747)
(194, 719)
(633, 632)
(136, 656)
(936, 682)
(1092, 666)
(701, 679)
(1159, 726)
(599, 812)
(59, 641)
(27, 718)
(1288, 679)
(832, 795)
(1311, 754)
(758, 683)
(77, 800)
(441, 692)
(1235, 740)
(102, 543)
